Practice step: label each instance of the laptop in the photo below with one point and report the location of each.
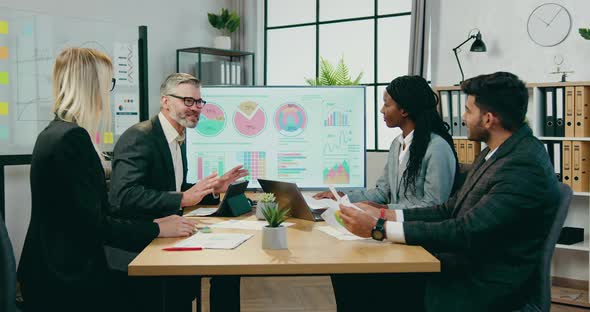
(289, 196)
(234, 203)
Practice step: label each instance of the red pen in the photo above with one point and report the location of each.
(182, 248)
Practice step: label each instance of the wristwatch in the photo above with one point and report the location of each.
(378, 232)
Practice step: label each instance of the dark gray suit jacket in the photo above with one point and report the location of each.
(489, 236)
(142, 180)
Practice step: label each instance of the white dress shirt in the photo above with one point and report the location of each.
(395, 229)
(174, 140)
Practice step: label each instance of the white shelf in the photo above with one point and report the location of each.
(583, 194)
(582, 246)
(563, 139)
(456, 137)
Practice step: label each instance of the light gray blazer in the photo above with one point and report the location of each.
(433, 183)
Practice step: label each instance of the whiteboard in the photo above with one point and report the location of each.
(29, 44)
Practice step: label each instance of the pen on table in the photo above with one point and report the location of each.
(182, 248)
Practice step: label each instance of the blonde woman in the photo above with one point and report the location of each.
(63, 266)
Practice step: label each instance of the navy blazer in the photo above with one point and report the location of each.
(489, 236)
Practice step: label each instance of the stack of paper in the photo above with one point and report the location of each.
(214, 240)
(244, 224)
(317, 203)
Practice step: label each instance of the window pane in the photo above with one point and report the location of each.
(341, 9)
(287, 12)
(394, 6)
(393, 47)
(370, 117)
(290, 55)
(385, 135)
(354, 41)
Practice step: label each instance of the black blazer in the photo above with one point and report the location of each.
(63, 266)
(142, 181)
(489, 236)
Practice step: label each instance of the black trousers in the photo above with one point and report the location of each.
(379, 292)
(176, 293)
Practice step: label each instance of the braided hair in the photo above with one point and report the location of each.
(414, 95)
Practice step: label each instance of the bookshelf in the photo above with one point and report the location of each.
(216, 66)
(570, 262)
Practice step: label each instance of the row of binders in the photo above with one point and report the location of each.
(451, 106)
(220, 73)
(566, 111)
(467, 151)
(570, 161)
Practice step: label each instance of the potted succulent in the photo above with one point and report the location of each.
(227, 22)
(265, 200)
(274, 235)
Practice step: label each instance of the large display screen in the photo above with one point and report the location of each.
(312, 136)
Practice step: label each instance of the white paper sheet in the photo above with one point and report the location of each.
(332, 214)
(201, 212)
(339, 235)
(214, 240)
(244, 225)
(317, 203)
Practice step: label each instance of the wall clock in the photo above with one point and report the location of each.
(549, 24)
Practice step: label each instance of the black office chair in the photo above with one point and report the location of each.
(540, 295)
(7, 271)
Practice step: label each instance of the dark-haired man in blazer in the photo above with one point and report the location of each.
(490, 235)
(150, 167)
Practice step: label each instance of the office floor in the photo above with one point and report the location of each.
(291, 294)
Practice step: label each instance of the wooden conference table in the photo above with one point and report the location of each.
(311, 252)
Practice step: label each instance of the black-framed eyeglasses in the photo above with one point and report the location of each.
(190, 101)
(113, 82)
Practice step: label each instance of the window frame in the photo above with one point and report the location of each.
(375, 17)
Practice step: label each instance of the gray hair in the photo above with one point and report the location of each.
(173, 80)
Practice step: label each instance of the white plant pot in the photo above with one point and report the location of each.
(222, 42)
(261, 206)
(274, 237)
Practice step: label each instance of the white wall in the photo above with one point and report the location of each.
(503, 25)
(171, 25)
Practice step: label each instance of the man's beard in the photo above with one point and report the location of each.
(478, 133)
(181, 119)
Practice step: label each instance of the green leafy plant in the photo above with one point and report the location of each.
(275, 216)
(267, 198)
(585, 33)
(226, 21)
(331, 75)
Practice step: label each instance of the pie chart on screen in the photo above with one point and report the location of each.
(211, 121)
(290, 119)
(249, 119)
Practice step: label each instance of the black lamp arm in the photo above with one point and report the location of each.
(457, 56)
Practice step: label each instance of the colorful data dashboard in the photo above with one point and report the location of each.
(312, 136)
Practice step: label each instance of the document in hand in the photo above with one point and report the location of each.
(332, 214)
(214, 240)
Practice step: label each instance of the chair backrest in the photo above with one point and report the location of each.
(7, 271)
(540, 297)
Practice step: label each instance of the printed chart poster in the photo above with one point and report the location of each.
(126, 64)
(126, 112)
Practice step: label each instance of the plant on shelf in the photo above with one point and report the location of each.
(331, 75)
(227, 22)
(585, 33)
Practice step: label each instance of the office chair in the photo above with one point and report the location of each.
(540, 297)
(7, 271)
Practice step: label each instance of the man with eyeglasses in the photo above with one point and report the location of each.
(149, 181)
